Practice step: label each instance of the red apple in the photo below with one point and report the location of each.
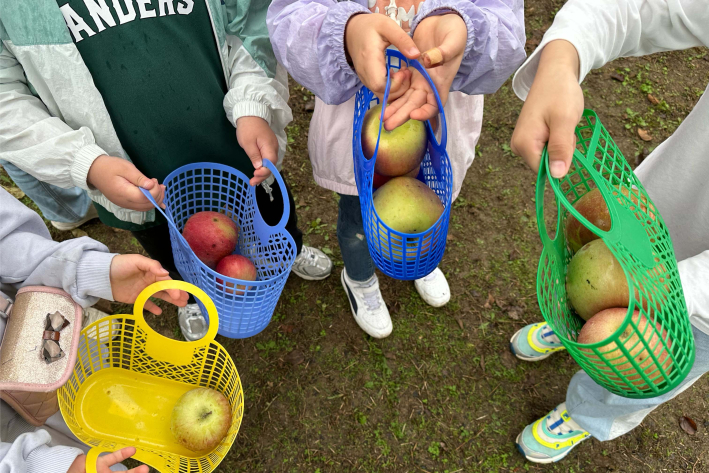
(595, 280)
(211, 235)
(593, 207)
(378, 180)
(605, 323)
(237, 267)
(400, 150)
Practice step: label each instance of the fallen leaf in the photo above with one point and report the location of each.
(489, 302)
(287, 328)
(302, 203)
(16, 192)
(688, 425)
(653, 100)
(644, 135)
(295, 357)
(513, 314)
(618, 77)
(443, 445)
(450, 237)
(501, 303)
(78, 233)
(390, 356)
(460, 323)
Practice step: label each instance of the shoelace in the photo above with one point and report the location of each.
(306, 253)
(371, 298)
(548, 335)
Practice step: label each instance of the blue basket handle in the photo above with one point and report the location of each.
(419, 67)
(284, 192)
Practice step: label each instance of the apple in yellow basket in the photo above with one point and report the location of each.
(595, 280)
(605, 323)
(400, 150)
(201, 419)
(407, 205)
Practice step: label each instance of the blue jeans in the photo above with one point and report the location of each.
(353, 244)
(607, 416)
(56, 204)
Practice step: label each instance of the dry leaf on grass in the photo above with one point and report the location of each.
(644, 135)
(688, 425)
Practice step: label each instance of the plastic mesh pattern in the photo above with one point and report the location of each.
(214, 187)
(403, 255)
(651, 353)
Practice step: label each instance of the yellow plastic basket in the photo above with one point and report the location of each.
(128, 377)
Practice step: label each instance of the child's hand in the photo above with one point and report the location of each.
(449, 35)
(366, 39)
(258, 140)
(130, 274)
(119, 181)
(104, 463)
(552, 110)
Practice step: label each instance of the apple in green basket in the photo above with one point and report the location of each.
(211, 235)
(605, 323)
(400, 150)
(407, 205)
(237, 267)
(378, 180)
(201, 419)
(595, 280)
(593, 207)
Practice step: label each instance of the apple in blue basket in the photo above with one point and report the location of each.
(237, 267)
(211, 235)
(378, 180)
(201, 419)
(407, 205)
(400, 150)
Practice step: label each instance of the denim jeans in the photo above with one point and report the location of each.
(353, 244)
(607, 416)
(56, 204)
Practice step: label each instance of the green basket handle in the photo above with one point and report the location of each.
(625, 226)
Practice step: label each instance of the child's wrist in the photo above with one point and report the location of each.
(559, 57)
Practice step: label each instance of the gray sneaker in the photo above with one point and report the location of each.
(312, 264)
(192, 322)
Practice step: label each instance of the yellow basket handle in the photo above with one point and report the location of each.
(95, 452)
(162, 348)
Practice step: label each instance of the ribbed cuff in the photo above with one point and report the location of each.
(45, 459)
(442, 7)
(83, 159)
(250, 109)
(93, 275)
(336, 23)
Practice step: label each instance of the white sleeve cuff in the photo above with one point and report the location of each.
(83, 159)
(250, 109)
(93, 275)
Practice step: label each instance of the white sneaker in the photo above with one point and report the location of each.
(434, 289)
(312, 264)
(368, 308)
(65, 227)
(192, 323)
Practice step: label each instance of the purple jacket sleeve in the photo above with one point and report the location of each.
(495, 41)
(308, 39)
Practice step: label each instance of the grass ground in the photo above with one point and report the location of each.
(443, 393)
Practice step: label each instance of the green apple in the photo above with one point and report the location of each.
(593, 207)
(400, 150)
(407, 205)
(605, 323)
(201, 419)
(595, 280)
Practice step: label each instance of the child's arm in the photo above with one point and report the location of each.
(81, 266)
(31, 453)
(257, 100)
(333, 47)
(53, 152)
(586, 35)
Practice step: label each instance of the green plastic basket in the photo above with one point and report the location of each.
(659, 353)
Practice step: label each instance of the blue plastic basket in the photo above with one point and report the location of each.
(218, 188)
(399, 255)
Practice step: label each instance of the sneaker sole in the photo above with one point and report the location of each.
(308, 277)
(354, 314)
(544, 461)
(524, 357)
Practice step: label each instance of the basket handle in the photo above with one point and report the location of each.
(166, 349)
(557, 242)
(95, 452)
(284, 192)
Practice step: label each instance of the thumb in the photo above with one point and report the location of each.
(562, 142)
(398, 38)
(137, 178)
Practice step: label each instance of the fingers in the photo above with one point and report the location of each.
(527, 146)
(432, 58)
(172, 296)
(268, 148)
(140, 469)
(427, 111)
(373, 71)
(413, 100)
(116, 457)
(562, 142)
(397, 37)
(400, 83)
(152, 307)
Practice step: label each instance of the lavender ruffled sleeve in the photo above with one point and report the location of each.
(495, 40)
(308, 39)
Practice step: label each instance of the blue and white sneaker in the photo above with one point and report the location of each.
(551, 438)
(535, 342)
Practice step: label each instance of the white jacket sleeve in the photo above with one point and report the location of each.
(603, 30)
(31, 453)
(35, 141)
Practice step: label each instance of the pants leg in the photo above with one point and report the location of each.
(55, 203)
(607, 416)
(353, 244)
(271, 208)
(156, 242)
